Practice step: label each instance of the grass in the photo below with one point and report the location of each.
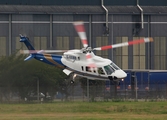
(85, 111)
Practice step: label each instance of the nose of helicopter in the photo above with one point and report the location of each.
(120, 74)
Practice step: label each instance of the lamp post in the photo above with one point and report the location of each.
(88, 89)
(136, 86)
(135, 79)
(38, 89)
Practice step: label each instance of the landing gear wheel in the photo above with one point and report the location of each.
(72, 81)
(71, 78)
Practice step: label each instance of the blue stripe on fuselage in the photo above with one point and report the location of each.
(50, 59)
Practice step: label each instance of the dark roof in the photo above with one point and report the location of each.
(85, 2)
(32, 9)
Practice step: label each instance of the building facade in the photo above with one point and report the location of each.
(49, 26)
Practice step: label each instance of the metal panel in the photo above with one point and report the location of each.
(62, 43)
(127, 80)
(80, 9)
(158, 18)
(158, 77)
(122, 18)
(61, 18)
(102, 41)
(158, 29)
(153, 2)
(98, 29)
(41, 17)
(37, 44)
(3, 44)
(19, 45)
(63, 29)
(99, 18)
(4, 17)
(77, 43)
(22, 28)
(81, 17)
(43, 43)
(41, 29)
(160, 53)
(158, 25)
(4, 29)
(22, 17)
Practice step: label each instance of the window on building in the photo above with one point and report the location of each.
(102, 41)
(77, 43)
(40, 43)
(160, 53)
(139, 55)
(121, 53)
(62, 43)
(3, 46)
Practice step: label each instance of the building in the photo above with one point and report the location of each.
(48, 24)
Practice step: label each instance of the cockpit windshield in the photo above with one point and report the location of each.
(109, 70)
(114, 66)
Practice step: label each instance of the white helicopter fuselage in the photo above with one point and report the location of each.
(76, 62)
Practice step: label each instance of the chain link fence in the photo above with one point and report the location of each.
(91, 92)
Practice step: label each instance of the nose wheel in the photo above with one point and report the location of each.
(72, 81)
(112, 78)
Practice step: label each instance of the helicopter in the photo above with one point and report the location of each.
(81, 62)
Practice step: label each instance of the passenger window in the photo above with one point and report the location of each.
(82, 68)
(88, 69)
(70, 57)
(100, 71)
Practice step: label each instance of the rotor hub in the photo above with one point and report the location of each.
(87, 50)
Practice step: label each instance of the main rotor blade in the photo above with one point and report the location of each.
(41, 51)
(91, 62)
(144, 40)
(79, 27)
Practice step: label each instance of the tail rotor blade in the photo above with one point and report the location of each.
(79, 27)
(144, 40)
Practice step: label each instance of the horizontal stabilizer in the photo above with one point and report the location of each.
(67, 72)
(29, 57)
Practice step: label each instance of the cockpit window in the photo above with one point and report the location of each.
(109, 70)
(114, 66)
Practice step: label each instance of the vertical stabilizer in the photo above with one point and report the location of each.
(29, 46)
(26, 42)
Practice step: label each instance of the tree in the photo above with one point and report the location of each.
(17, 76)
